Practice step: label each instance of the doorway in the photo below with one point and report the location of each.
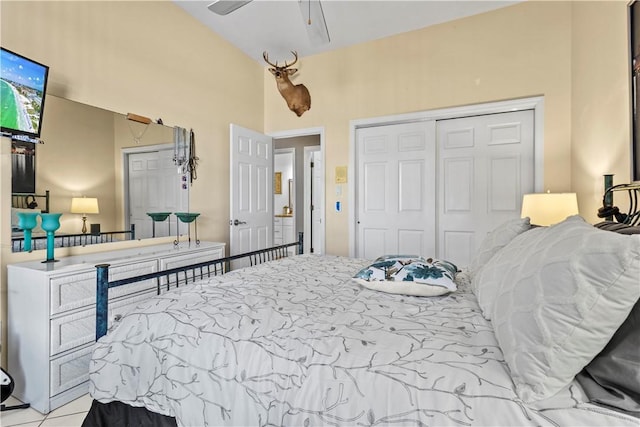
(313, 199)
(308, 193)
(241, 220)
(285, 206)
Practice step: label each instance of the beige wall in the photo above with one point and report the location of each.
(514, 52)
(152, 59)
(149, 58)
(600, 116)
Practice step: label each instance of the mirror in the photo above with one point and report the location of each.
(82, 156)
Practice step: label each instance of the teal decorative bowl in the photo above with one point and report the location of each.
(187, 216)
(159, 216)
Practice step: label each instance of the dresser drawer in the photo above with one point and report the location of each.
(69, 370)
(188, 259)
(74, 330)
(79, 290)
(287, 221)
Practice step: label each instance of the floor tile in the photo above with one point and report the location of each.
(18, 416)
(81, 404)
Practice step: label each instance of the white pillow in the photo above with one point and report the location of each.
(408, 275)
(571, 288)
(494, 241)
(502, 266)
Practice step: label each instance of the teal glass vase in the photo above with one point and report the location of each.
(50, 223)
(27, 221)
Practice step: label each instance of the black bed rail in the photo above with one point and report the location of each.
(181, 275)
(23, 200)
(80, 239)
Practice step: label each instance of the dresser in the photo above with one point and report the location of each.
(51, 314)
(283, 230)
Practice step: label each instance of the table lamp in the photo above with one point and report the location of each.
(84, 206)
(545, 209)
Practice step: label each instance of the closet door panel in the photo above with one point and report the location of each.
(486, 165)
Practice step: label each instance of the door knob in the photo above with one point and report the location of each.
(236, 222)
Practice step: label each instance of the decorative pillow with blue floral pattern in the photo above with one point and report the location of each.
(408, 275)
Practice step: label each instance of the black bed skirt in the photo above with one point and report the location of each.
(122, 415)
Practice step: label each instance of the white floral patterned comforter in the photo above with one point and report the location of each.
(295, 342)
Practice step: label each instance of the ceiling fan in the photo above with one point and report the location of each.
(311, 11)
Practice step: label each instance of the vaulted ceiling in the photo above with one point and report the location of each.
(280, 26)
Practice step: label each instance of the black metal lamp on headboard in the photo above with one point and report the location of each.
(608, 211)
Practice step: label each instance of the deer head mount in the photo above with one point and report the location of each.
(297, 96)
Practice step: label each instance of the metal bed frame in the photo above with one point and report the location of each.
(610, 212)
(80, 239)
(19, 200)
(181, 275)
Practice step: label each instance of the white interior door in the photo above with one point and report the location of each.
(396, 189)
(486, 165)
(313, 200)
(251, 179)
(154, 185)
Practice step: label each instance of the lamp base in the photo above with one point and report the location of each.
(84, 225)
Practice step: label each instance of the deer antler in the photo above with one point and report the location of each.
(286, 65)
(295, 54)
(266, 58)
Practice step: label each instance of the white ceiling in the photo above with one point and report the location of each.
(278, 27)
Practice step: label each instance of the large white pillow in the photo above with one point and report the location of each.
(494, 241)
(487, 282)
(563, 293)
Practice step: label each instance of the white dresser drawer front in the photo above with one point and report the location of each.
(79, 290)
(69, 371)
(188, 259)
(68, 332)
(287, 221)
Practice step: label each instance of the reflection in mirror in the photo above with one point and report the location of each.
(95, 153)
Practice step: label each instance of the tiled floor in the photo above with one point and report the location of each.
(70, 415)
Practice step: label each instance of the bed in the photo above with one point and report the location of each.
(297, 341)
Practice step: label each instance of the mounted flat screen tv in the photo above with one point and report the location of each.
(23, 83)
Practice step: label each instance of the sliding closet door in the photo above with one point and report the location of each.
(485, 164)
(396, 190)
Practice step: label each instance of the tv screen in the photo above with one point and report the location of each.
(23, 83)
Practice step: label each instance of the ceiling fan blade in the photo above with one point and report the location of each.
(225, 7)
(314, 21)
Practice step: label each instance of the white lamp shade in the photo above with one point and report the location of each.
(84, 205)
(549, 208)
